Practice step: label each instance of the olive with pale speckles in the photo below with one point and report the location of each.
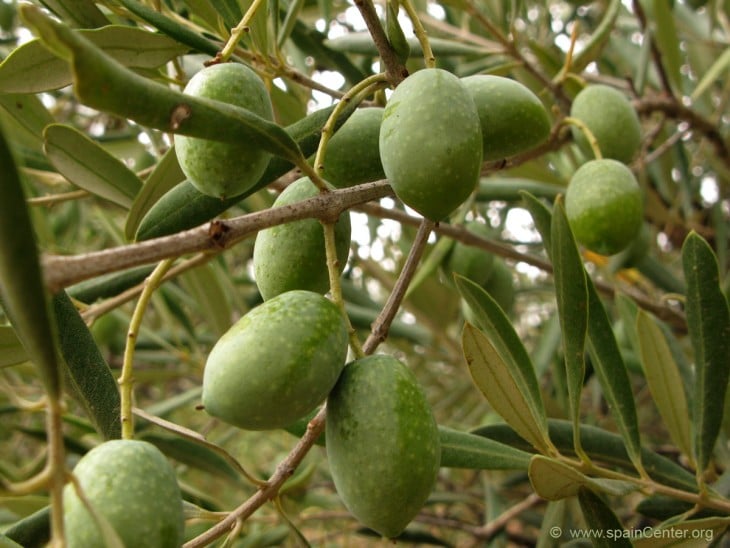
(431, 142)
(215, 168)
(277, 362)
(352, 155)
(512, 118)
(131, 484)
(292, 255)
(383, 443)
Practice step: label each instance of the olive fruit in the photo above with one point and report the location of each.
(512, 117)
(470, 261)
(431, 142)
(500, 286)
(216, 168)
(132, 486)
(608, 114)
(604, 206)
(292, 255)
(277, 362)
(383, 443)
(352, 155)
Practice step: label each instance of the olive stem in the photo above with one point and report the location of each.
(239, 30)
(283, 471)
(356, 94)
(419, 30)
(57, 468)
(590, 137)
(336, 286)
(381, 325)
(126, 379)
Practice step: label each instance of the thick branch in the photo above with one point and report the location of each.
(62, 271)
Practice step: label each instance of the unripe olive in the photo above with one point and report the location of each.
(134, 488)
(612, 120)
(604, 206)
(277, 362)
(512, 118)
(222, 169)
(470, 261)
(292, 255)
(352, 155)
(383, 443)
(431, 142)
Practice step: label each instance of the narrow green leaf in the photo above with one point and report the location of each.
(601, 446)
(204, 285)
(87, 374)
(292, 14)
(32, 68)
(109, 285)
(612, 374)
(600, 518)
(708, 321)
(193, 454)
(666, 39)
(466, 450)
(166, 175)
(103, 84)
(172, 28)
(361, 43)
(29, 112)
(664, 380)
(394, 31)
(713, 74)
(33, 530)
(695, 533)
(87, 165)
(598, 39)
(82, 13)
(541, 216)
(22, 293)
(503, 337)
(511, 189)
(504, 388)
(11, 349)
(572, 299)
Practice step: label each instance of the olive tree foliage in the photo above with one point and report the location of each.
(583, 392)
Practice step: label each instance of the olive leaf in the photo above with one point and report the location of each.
(498, 377)
(664, 380)
(87, 165)
(600, 518)
(572, 299)
(32, 68)
(22, 292)
(466, 450)
(708, 321)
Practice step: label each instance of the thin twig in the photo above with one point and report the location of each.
(381, 325)
(395, 70)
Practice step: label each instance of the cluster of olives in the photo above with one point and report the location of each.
(289, 354)
(603, 200)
